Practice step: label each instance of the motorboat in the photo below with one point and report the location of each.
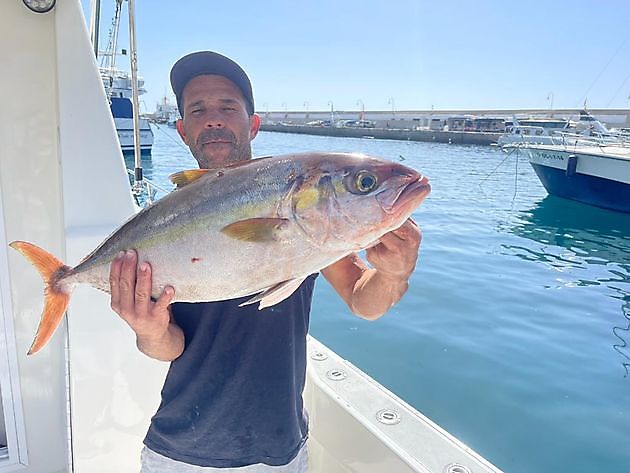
(532, 130)
(595, 172)
(84, 402)
(556, 131)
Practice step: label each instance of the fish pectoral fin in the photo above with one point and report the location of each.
(182, 178)
(274, 294)
(256, 229)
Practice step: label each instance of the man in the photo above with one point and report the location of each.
(233, 394)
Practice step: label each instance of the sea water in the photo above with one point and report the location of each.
(514, 333)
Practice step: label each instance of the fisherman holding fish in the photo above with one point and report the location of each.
(250, 236)
(233, 395)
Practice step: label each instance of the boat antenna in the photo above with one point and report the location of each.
(137, 184)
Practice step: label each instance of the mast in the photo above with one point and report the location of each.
(114, 39)
(134, 96)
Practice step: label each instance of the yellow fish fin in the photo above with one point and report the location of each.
(181, 178)
(255, 229)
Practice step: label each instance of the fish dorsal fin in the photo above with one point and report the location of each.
(274, 294)
(182, 178)
(255, 229)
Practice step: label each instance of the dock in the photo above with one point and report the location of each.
(451, 137)
(474, 127)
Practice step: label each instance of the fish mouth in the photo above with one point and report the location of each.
(405, 197)
(414, 192)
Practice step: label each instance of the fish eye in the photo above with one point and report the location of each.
(366, 181)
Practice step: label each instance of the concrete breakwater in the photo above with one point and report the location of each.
(453, 137)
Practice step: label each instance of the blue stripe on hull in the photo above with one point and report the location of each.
(583, 188)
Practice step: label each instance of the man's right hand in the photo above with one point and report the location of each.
(130, 285)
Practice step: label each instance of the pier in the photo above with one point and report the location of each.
(440, 126)
(438, 136)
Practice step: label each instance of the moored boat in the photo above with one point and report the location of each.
(118, 88)
(532, 130)
(557, 131)
(117, 85)
(596, 174)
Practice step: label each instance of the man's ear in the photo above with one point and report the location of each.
(254, 125)
(179, 124)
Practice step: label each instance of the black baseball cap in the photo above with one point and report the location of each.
(209, 62)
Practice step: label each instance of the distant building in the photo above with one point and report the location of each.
(489, 124)
(473, 123)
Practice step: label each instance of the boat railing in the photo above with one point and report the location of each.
(145, 191)
(527, 130)
(599, 140)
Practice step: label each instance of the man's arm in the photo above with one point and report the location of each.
(370, 292)
(157, 336)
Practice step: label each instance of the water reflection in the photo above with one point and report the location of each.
(146, 163)
(623, 334)
(574, 235)
(592, 235)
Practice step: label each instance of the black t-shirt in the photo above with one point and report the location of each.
(234, 396)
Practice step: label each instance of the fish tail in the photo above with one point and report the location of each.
(56, 295)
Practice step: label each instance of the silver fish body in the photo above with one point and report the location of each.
(263, 225)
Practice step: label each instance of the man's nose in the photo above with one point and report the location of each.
(213, 120)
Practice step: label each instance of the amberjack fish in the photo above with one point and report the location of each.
(256, 228)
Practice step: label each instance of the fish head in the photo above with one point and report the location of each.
(348, 201)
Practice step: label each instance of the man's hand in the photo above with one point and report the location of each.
(130, 286)
(396, 255)
(370, 292)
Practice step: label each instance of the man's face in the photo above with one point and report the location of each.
(215, 124)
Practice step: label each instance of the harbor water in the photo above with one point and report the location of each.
(514, 333)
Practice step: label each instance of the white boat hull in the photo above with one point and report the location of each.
(124, 130)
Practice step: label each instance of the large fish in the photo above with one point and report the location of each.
(254, 228)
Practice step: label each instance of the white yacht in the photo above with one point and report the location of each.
(118, 88)
(532, 130)
(557, 131)
(84, 402)
(117, 85)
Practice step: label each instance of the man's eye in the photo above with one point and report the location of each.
(230, 109)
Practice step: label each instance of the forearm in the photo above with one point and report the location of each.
(168, 347)
(375, 293)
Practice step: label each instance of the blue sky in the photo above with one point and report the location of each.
(422, 54)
